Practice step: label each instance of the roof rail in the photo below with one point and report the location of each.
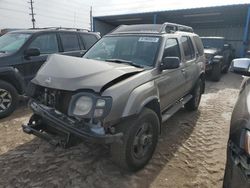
(168, 27)
(65, 28)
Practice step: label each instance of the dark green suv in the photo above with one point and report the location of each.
(23, 52)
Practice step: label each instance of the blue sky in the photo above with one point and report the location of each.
(75, 13)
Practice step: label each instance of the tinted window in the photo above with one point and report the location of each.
(188, 48)
(47, 43)
(70, 42)
(199, 45)
(88, 40)
(172, 49)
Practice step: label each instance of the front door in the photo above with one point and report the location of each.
(47, 44)
(171, 83)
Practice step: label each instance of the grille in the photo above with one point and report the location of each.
(57, 99)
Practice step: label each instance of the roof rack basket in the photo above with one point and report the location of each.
(168, 27)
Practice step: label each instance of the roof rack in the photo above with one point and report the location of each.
(64, 28)
(168, 27)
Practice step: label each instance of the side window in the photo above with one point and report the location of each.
(172, 49)
(88, 40)
(69, 42)
(188, 48)
(47, 43)
(199, 45)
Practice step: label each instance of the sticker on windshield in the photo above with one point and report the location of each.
(148, 39)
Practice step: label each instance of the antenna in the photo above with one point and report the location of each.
(31, 2)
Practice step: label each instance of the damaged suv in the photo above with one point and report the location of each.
(120, 92)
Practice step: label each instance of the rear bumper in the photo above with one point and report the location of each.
(49, 124)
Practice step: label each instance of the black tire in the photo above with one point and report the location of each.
(139, 141)
(7, 93)
(193, 104)
(216, 72)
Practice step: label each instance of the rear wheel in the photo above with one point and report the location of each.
(138, 143)
(193, 104)
(216, 72)
(8, 99)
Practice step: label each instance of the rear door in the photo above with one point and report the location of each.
(190, 65)
(70, 44)
(171, 83)
(47, 44)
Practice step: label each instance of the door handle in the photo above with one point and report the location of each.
(183, 70)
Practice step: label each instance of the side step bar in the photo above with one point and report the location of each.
(172, 110)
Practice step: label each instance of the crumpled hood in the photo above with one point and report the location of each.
(211, 51)
(72, 73)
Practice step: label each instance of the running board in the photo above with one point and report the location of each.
(172, 110)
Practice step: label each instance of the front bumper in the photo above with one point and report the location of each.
(59, 129)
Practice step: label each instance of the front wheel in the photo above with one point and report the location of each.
(8, 99)
(138, 143)
(193, 104)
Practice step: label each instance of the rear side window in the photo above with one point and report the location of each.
(47, 43)
(172, 48)
(69, 42)
(88, 40)
(199, 45)
(188, 48)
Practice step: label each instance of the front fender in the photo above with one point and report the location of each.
(13, 76)
(139, 97)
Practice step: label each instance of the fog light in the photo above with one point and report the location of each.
(98, 112)
(247, 142)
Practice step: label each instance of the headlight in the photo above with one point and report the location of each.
(83, 106)
(88, 105)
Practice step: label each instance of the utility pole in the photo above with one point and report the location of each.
(31, 2)
(91, 18)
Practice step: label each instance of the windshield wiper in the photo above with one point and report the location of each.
(2, 51)
(124, 61)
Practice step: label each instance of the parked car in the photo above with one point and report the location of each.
(237, 172)
(23, 52)
(121, 91)
(219, 55)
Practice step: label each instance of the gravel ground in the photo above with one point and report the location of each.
(191, 151)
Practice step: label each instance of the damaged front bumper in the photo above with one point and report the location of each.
(60, 130)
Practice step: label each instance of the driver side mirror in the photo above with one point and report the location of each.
(31, 52)
(170, 63)
(241, 66)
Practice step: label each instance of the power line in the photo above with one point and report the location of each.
(32, 13)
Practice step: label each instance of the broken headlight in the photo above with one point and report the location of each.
(87, 105)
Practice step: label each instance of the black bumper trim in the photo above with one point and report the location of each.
(64, 124)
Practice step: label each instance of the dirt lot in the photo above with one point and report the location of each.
(190, 153)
